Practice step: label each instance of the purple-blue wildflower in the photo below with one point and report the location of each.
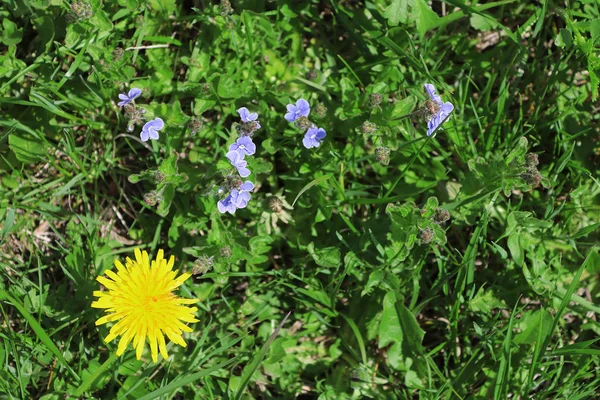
(247, 116)
(226, 205)
(301, 109)
(241, 196)
(440, 112)
(244, 146)
(313, 137)
(129, 97)
(151, 128)
(237, 160)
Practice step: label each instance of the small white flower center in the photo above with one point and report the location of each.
(242, 147)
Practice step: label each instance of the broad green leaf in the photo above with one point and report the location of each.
(530, 325)
(397, 12)
(425, 17)
(27, 150)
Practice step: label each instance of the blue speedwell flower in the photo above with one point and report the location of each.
(439, 110)
(239, 163)
(226, 205)
(301, 109)
(151, 128)
(247, 116)
(313, 137)
(240, 197)
(129, 97)
(244, 146)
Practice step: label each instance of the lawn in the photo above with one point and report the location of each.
(332, 199)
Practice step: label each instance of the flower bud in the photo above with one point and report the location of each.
(275, 204)
(312, 75)
(426, 235)
(195, 125)
(202, 265)
(532, 160)
(303, 123)
(441, 216)
(382, 154)
(226, 8)
(205, 89)
(80, 10)
(158, 177)
(368, 128)
(375, 99)
(225, 252)
(532, 177)
(320, 110)
(151, 198)
(118, 54)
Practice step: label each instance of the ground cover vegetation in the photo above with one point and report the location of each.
(333, 199)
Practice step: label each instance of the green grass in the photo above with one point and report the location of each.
(384, 300)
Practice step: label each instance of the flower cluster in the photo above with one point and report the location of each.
(136, 116)
(239, 192)
(298, 114)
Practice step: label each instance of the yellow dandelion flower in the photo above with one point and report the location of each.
(140, 298)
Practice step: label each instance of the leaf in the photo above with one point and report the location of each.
(484, 301)
(328, 257)
(39, 331)
(425, 17)
(564, 39)
(413, 334)
(250, 368)
(228, 88)
(530, 324)
(25, 149)
(482, 22)
(389, 328)
(402, 107)
(309, 185)
(375, 278)
(586, 231)
(186, 380)
(11, 34)
(515, 248)
(397, 12)
(430, 206)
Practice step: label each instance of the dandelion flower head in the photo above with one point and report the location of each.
(140, 299)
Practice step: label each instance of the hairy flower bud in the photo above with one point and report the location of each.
(532, 160)
(158, 177)
(320, 110)
(202, 265)
(368, 128)
(441, 216)
(151, 198)
(80, 10)
(226, 8)
(205, 89)
(276, 205)
(426, 235)
(312, 75)
(532, 177)
(382, 154)
(225, 252)
(118, 54)
(195, 125)
(303, 123)
(375, 99)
